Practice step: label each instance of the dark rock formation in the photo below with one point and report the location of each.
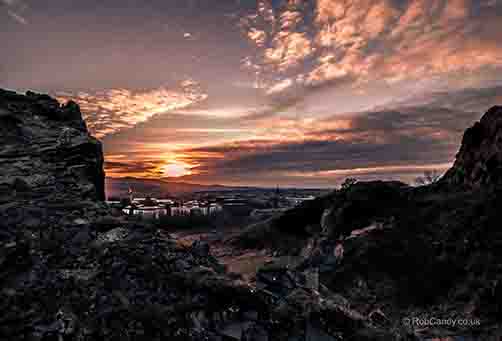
(47, 154)
(479, 161)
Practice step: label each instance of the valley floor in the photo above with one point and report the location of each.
(238, 261)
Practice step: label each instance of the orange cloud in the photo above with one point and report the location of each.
(367, 40)
(288, 50)
(110, 111)
(373, 170)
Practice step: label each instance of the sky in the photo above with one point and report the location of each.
(279, 92)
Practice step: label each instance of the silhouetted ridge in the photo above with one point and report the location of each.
(479, 160)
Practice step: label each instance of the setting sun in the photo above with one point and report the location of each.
(176, 170)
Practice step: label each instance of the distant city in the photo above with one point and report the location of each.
(254, 203)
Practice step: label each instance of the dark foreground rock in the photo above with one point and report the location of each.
(398, 254)
(71, 271)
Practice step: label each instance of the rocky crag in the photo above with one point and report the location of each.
(396, 252)
(479, 161)
(69, 270)
(47, 156)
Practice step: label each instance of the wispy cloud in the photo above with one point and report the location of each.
(113, 110)
(17, 17)
(10, 3)
(15, 9)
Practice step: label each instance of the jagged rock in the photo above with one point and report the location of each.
(255, 332)
(201, 248)
(479, 160)
(42, 141)
(108, 222)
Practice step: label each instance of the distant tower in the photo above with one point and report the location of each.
(131, 197)
(277, 195)
(131, 194)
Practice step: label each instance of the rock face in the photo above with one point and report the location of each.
(479, 161)
(47, 154)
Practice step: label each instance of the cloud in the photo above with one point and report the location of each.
(17, 17)
(469, 99)
(113, 110)
(114, 168)
(392, 143)
(365, 40)
(15, 9)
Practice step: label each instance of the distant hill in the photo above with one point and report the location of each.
(118, 187)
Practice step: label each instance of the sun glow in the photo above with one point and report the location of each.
(176, 169)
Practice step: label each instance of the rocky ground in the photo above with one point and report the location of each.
(353, 265)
